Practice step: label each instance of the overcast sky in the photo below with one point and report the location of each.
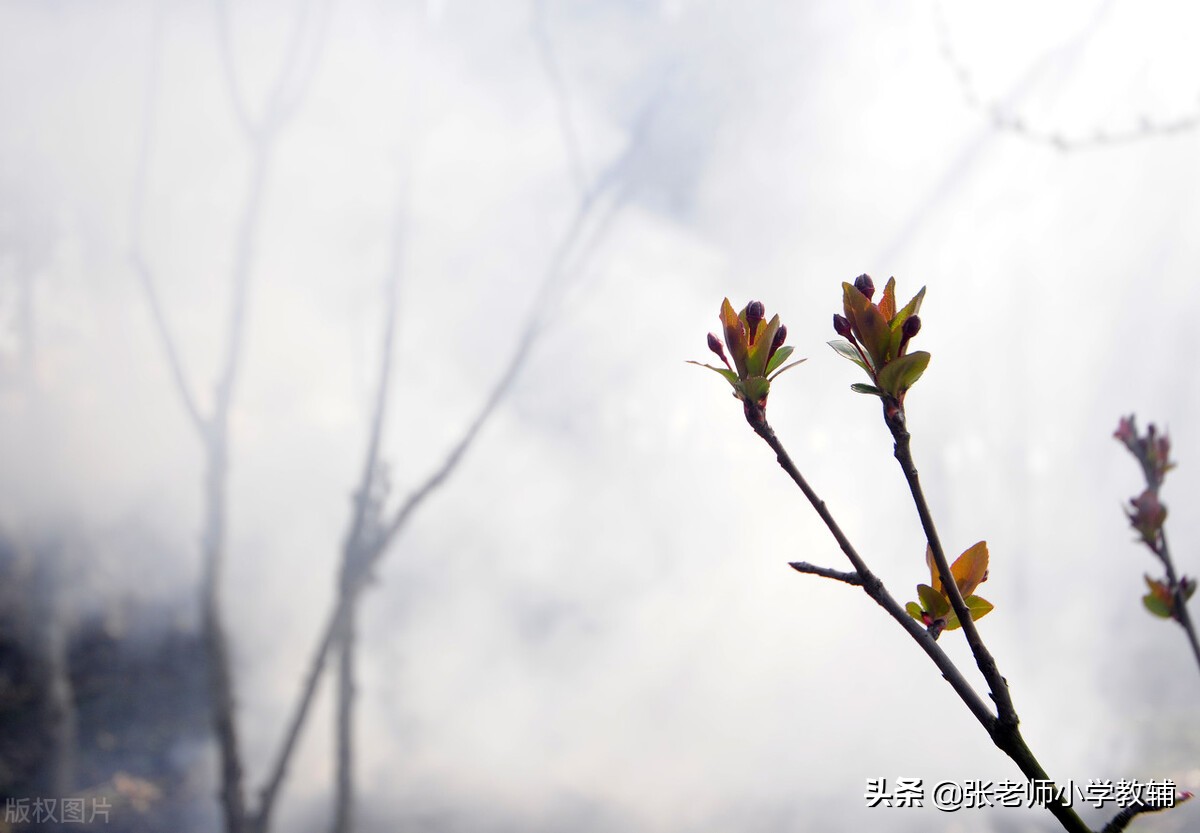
(592, 626)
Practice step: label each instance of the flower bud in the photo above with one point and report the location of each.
(912, 326)
(865, 285)
(841, 326)
(754, 315)
(777, 342)
(714, 344)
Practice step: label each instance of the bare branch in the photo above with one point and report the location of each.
(167, 340)
(1180, 610)
(983, 657)
(213, 429)
(826, 572)
(1005, 736)
(300, 65)
(270, 791)
(137, 259)
(364, 529)
(562, 99)
(1122, 819)
(871, 583)
(241, 110)
(343, 812)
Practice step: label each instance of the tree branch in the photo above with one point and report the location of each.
(826, 572)
(871, 583)
(562, 99)
(1122, 819)
(1008, 738)
(983, 658)
(373, 550)
(1182, 615)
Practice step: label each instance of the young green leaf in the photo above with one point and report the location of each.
(781, 356)
(729, 375)
(847, 350)
(900, 374)
(859, 387)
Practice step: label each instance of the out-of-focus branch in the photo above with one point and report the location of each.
(1180, 609)
(167, 342)
(364, 529)
(1148, 517)
(595, 210)
(214, 427)
(562, 100)
(1000, 112)
(137, 259)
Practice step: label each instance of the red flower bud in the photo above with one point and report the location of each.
(841, 326)
(754, 314)
(777, 342)
(912, 326)
(714, 344)
(865, 285)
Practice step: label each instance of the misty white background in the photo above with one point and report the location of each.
(592, 626)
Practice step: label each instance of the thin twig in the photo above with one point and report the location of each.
(871, 583)
(577, 230)
(364, 526)
(1005, 732)
(1007, 737)
(562, 99)
(826, 572)
(213, 428)
(261, 820)
(343, 815)
(1122, 819)
(983, 658)
(1180, 610)
(167, 341)
(241, 109)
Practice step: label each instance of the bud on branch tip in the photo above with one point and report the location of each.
(756, 347)
(877, 336)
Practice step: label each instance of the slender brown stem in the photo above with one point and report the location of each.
(343, 812)
(826, 572)
(871, 583)
(894, 416)
(1182, 616)
(1122, 819)
(1006, 736)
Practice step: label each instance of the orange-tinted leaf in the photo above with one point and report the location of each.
(970, 568)
(874, 334)
(887, 304)
(735, 336)
(853, 300)
(933, 570)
